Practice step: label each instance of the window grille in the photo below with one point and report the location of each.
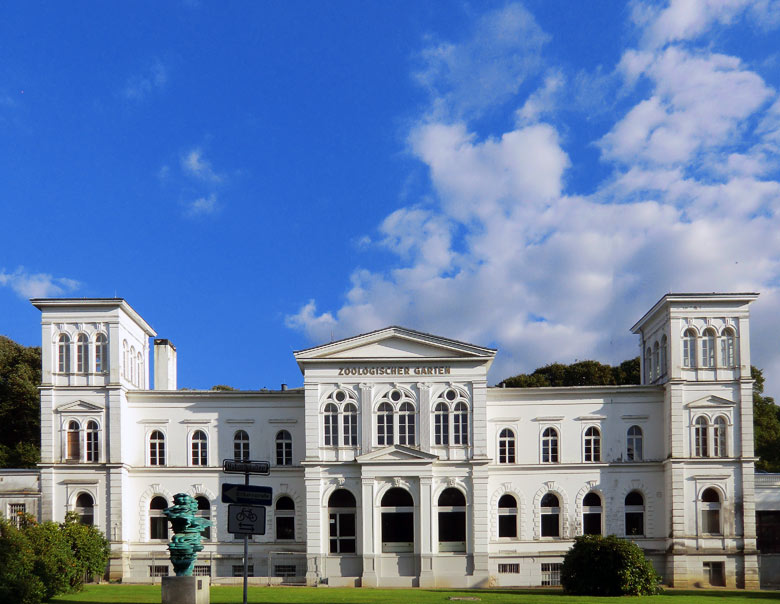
(158, 571)
(238, 570)
(16, 512)
(286, 571)
(202, 570)
(509, 568)
(551, 573)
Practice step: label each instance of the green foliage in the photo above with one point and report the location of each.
(55, 564)
(607, 566)
(582, 373)
(20, 415)
(766, 424)
(18, 581)
(223, 388)
(89, 546)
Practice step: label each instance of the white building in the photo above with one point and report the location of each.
(397, 465)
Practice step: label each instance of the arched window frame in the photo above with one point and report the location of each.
(284, 448)
(708, 338)
(452, 521)
(397, 520)
(92, 434)
(550, 516)
(508, 516)
(593, 515)
(199, 448)
(84, 506)
(349, 422)
(507, 446)
(549, 445)
(720, 427)
(73, 438)
(634, 514)
(441, 424)
(330, 425)
(710, 512)
(204, 511)
(241, 445)
(158, 522)
(701, 436)
(396, 418)
(156, 448)
(634, 443)
(82, 354)
(341, 402)
(728, 348)
(63, 353)
(689, 348)
(664, 354)
(454, 429)
(342, 525)
(591, 445)
(284, 518)
(101, 353)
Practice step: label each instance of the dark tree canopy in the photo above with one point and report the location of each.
(20, 407)
(581, 373)
(766, 424)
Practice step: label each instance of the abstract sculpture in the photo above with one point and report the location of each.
(187, 529)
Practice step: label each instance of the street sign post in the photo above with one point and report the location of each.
(233, 466)
(246, 519)
(247, 494)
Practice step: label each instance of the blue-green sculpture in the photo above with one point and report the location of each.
(187, 529)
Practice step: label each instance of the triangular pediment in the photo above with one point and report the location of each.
(396, 454)
(79, 407)
(710, 402)
(395, 343)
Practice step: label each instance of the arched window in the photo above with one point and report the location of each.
(283, 448)
(634, 444)
(591, 514)
(85, 508)
(350, 425)
(664, 354)
(656, 360)
(710, 512)
(241, 445)
(156, 448)
(506, 446)
(204, 511)
(341, 514)
(592, 444)
(708, 348)
(460, 432)
(93, 443)
(331, 427)
(700, 437)
(158, 523)
(635, 514)
(452, 521)
(727, 348)
(406, 421)
(284, 517)
(101, 353)
(397, 521)
(649, 365)
(73, 452)
(125, 360)
(550, 445)
(131, 364)
(200, 449)
(507, 516)
(63, 353)
(384, 425)
(441, 424)
(140, 371)
(82, 353)
(719, 437)
(689, 348)
(550, 510)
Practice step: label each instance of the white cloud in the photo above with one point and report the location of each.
(140, 87)
(193, 164)
(542, 101)
(202, 206)
(37, 285)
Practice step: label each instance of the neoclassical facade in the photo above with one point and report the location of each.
(396, 465)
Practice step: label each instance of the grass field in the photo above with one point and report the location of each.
(146, 594)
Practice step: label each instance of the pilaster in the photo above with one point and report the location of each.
(366, 415)
(427, 577)
(370, 576)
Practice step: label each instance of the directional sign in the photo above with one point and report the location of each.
(246, 467)
(249, 494)
(246, 519)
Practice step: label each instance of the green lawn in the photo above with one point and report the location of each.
(144, 594)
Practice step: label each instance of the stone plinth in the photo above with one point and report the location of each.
(185, 590)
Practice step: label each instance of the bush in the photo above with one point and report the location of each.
(18, 581)
(90, 549)
(55, 564)
(607, 566)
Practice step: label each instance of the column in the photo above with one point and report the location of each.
(366, 416)
(425, 415)
(315, 552)
(480, 523)
(425, 529)
(370, 557)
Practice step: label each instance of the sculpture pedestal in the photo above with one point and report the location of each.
(186, 590)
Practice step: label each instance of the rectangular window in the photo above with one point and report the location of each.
(551, 573)
(714, 574)
(238, 570)
(158, 527)
(635, 523)
(16, 512)
(201, 570)
(550, 525)
(512, 568)
(342, 533)
(286, 571)
(507, 525)
(710, 522)
(158, 571)
(285, 527)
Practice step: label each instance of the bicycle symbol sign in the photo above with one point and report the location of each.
(246, 519)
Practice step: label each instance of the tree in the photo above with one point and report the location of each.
(766, 425)
(581, 373)
(223, 388)
(18, 581)
(89, 546)
(55, 564)
(607, 566)
(20, 408)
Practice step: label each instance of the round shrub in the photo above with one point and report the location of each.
(607, 566)
(18, 581)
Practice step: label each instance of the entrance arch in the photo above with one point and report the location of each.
(397, 521)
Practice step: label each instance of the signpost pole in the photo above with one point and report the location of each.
(246, 548)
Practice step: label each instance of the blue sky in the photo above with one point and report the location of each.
(256, 178)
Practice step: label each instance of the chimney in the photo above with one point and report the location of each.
(164, 365)
(284, 387)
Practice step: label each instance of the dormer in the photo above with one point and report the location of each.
(93, 342)
(696, 337)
